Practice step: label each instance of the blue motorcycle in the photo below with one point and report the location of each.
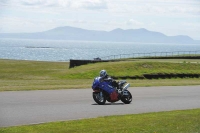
(105, 91)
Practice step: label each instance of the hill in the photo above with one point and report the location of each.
(117, 35)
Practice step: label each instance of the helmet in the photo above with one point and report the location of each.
(103, 73)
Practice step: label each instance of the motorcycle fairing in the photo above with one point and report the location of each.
(104, 85)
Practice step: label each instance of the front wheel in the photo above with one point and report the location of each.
(98, 98)
(127, 99)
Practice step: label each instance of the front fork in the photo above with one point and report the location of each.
(101, 94)
(123, 92)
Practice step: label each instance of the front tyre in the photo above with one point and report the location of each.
(127, 99)
(101, 100)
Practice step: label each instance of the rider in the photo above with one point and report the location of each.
(103, 74)
(105, 77)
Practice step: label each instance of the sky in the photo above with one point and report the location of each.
(170, 17)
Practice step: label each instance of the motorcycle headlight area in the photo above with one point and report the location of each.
(125, 93)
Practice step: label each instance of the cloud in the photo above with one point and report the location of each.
(89, 4)
(75, 4)
(4, 1)
(191, 25)
(40, 15)
(156, 7)
(32, 2)
(138, 7)
(134, 22)
(152, 23)
(79, 21)
(44, 3)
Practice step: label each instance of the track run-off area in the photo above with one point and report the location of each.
(32, 107)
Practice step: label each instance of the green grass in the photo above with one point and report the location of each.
(33, 70)
(132, 68)
(36, 75)
(19, 85)
(186, 121)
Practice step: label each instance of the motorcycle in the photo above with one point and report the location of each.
(102, 90)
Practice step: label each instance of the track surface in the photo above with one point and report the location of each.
(31, 107)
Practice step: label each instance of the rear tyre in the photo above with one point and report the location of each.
(127, 99)
(101, 100)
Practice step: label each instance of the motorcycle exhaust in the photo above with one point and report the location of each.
(126, 87)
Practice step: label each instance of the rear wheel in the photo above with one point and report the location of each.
(101, 100)
(127, 99)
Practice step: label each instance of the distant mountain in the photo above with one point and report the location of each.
(117, 35)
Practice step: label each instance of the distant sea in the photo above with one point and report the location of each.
(57, 50)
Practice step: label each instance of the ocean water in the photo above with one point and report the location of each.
(56, 50)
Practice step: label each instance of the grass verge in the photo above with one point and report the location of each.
(36, 75)
(26, 85)
(186, 121)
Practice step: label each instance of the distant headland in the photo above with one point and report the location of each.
(117, 35)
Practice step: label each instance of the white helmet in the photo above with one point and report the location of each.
(103, 73)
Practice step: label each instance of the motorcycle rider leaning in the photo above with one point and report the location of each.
(105, 77)
(103, 74)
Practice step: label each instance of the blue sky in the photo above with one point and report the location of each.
(171, 17)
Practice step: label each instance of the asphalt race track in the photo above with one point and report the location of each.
(31, 107)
